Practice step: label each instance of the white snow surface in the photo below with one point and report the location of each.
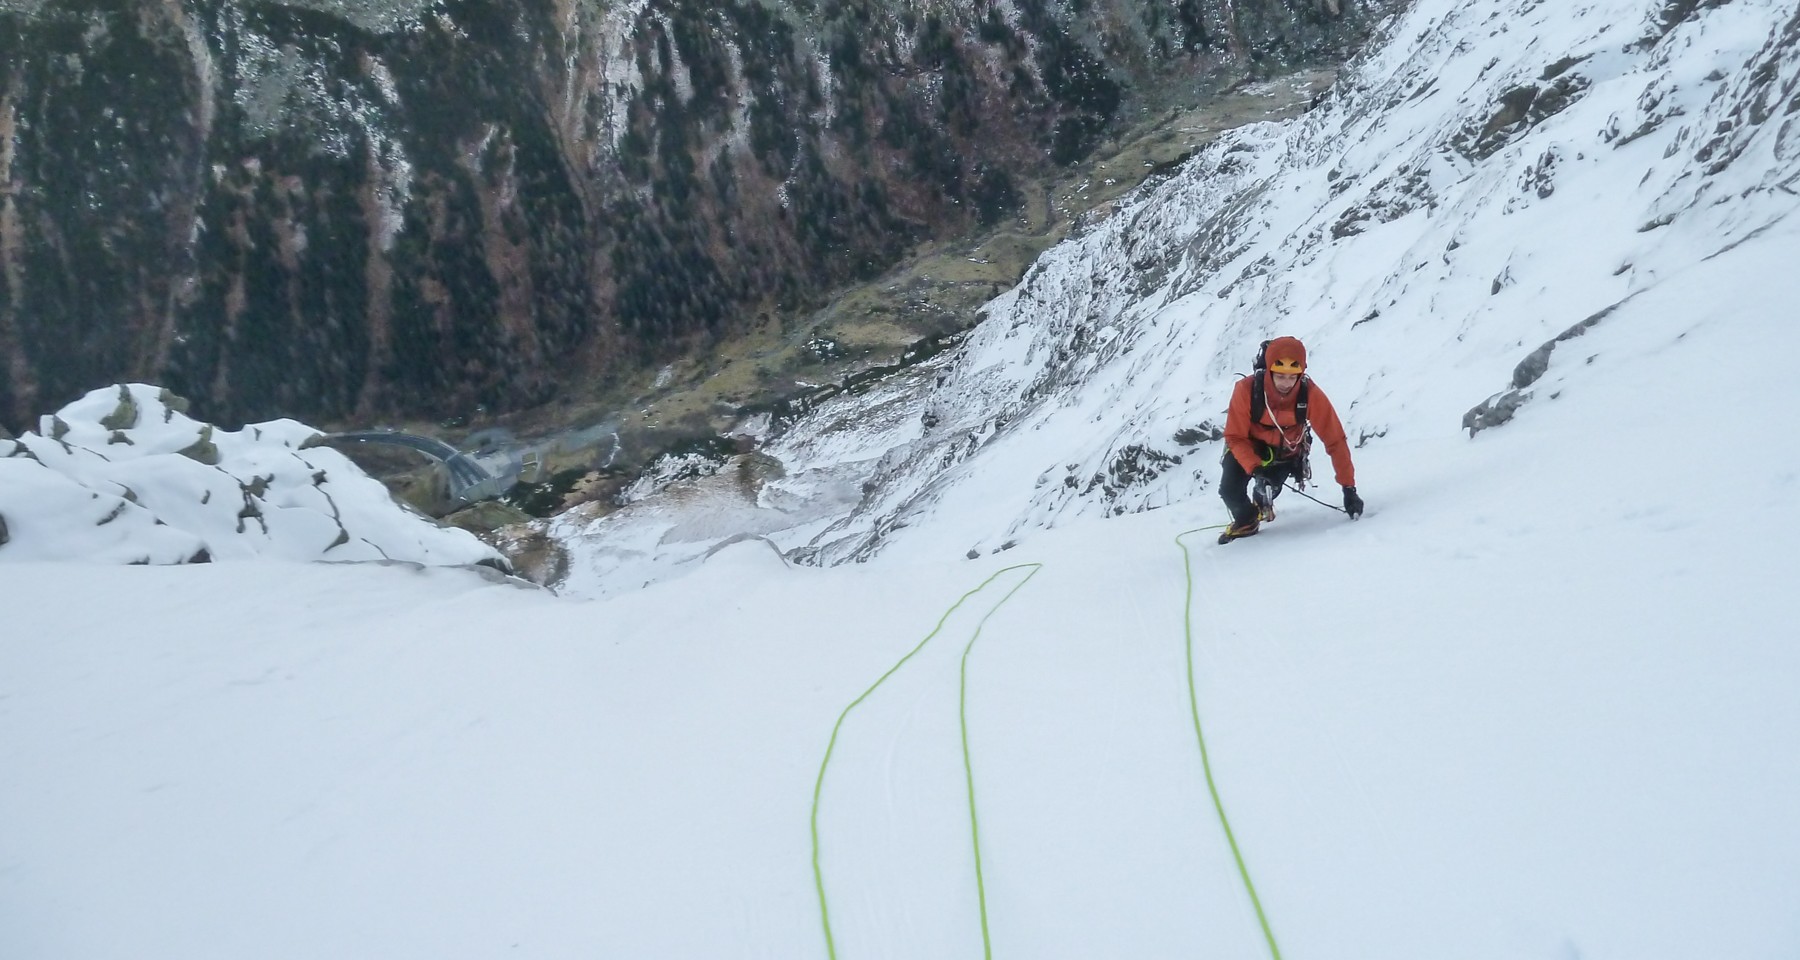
(1538, 703)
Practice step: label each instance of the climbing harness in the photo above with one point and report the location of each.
(1299, 451)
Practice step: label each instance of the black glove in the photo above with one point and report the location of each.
(1352, 503)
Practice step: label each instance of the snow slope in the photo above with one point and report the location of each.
(1421, 245)
(1537, 704)
(1493, 720)
(1488, 182)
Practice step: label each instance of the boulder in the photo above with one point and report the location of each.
(202, 449)
(123, 417)
(485, 516)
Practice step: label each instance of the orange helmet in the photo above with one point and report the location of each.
(1286, 355)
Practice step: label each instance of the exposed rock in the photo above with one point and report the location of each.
(203, 449)
(487, 516)
(1674, 12)
(1408, 189)
(172, 404)
(251, 511)
(567, 489)
(1501, 407)
(533, 553)
(375, 16)
(1532, 367)
(1134, 465)
(1194, 436)
(1494, 411)
(124, 416)
(430, 492)
(1520, 109)
(595, 486)
(497, 570)
(755, 469)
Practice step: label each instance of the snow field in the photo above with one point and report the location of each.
(1538, 703)
(1528, 707)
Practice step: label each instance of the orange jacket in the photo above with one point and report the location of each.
(1279, 428)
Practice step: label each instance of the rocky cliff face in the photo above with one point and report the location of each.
(337, 208)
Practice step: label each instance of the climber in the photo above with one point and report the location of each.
(1268, 434)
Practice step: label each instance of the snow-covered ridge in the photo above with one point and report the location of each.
(1487, 181)
(124, 476)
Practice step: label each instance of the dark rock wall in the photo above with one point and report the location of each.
(276, 211)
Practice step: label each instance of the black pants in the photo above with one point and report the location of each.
(1234, 485)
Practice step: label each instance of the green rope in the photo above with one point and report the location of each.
(1205, 760)
(819, 785)
(987, 943)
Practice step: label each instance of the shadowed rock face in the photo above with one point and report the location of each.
(338, 208)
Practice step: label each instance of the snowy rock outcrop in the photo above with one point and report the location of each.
(124, 476)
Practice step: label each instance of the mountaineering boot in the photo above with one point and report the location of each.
(1264, 498)
(1238, 531)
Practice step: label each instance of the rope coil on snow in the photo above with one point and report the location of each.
(987, 944)
(968, 766)
(968, 763)
(1212, 787)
